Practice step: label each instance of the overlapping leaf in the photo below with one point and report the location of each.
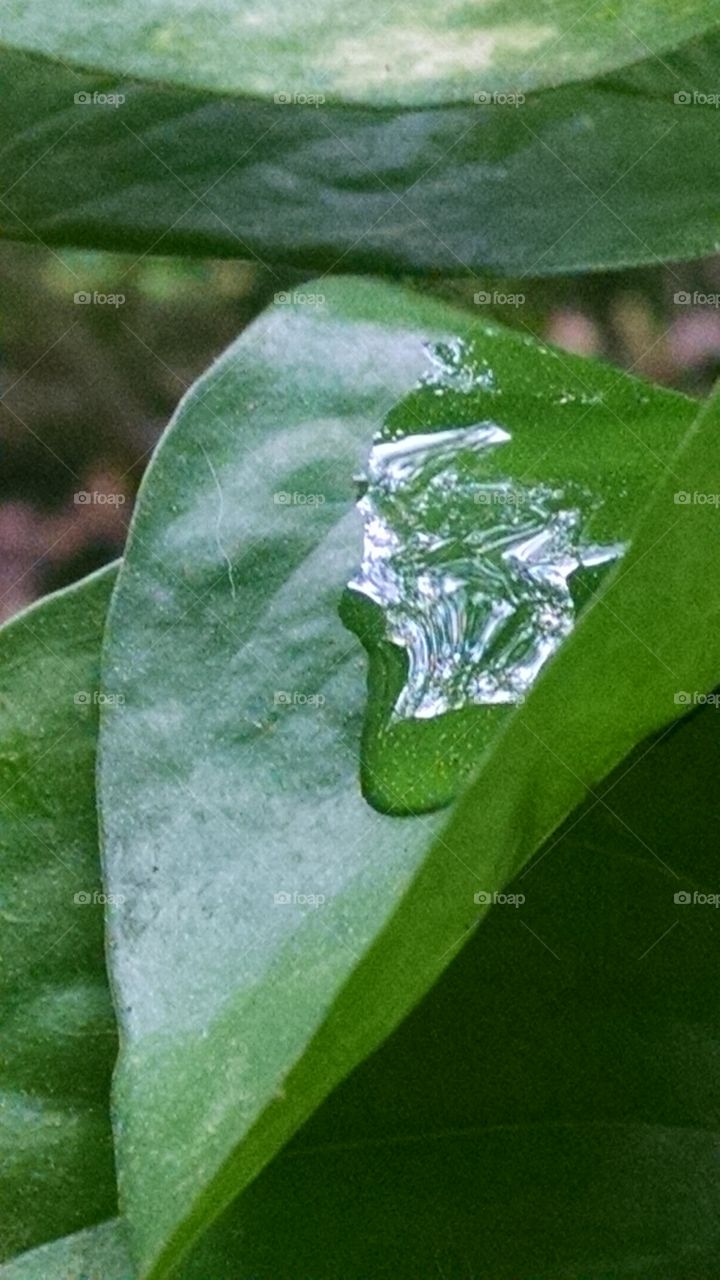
(568, 1059)
(572, 178)
(551, 1106)
(408, 54)
(233, 824)
(57, 1032)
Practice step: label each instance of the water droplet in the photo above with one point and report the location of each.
(471, 568)
(453, 370)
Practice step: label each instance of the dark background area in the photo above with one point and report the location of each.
(86, 388)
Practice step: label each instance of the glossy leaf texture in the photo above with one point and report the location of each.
(573, 178)
(233, 824)
(551, 1105)
(406, 55)
(99, 1253)
(57, 1031)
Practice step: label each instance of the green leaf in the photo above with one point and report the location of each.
(551, 1108)
(407, 55)
(97, 1254)
(575, 178)
(275, 928)
(57, 1042)
(551, 1105)
(568, 1059)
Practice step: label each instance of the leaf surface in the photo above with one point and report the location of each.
(572, 179)
(99, 1253)
(274, 927)
(550, 1106)
(409, 54)
(57, 1031)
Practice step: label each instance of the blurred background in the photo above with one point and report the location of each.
(96, 349)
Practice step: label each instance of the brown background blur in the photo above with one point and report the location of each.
(87, 387)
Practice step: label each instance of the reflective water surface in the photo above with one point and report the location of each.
(473, 569)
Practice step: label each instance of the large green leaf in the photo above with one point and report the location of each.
(57, 1037)
(275, 928)
(551, 1107)
(573, 179)
(406, 54)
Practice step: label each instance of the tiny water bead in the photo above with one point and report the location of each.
(452, 368)
(472, 568)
